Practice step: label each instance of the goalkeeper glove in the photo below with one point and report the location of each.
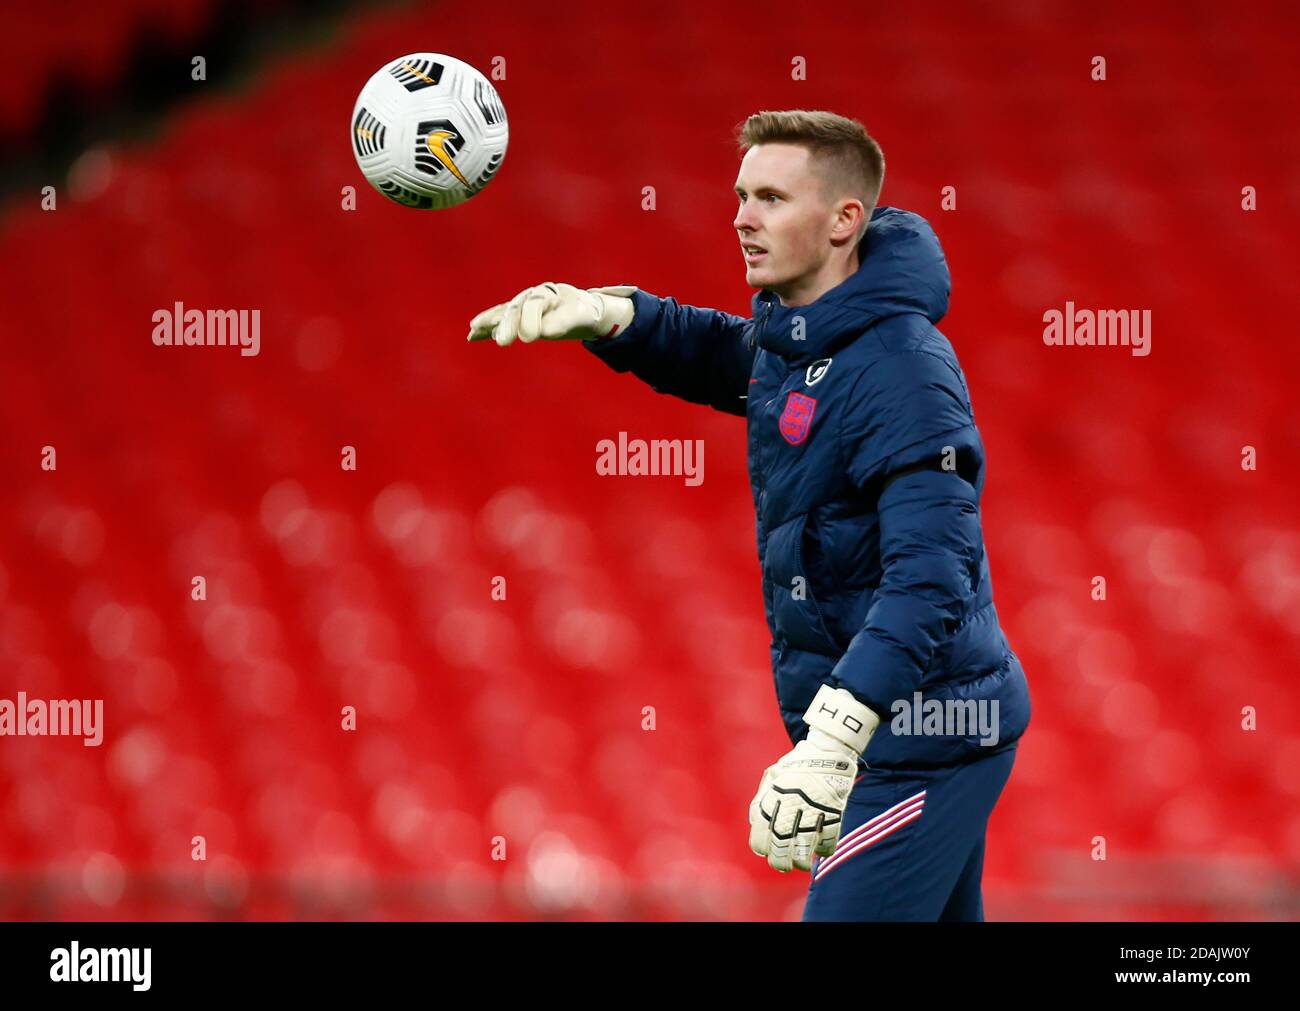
(556, 311)
(799, 807)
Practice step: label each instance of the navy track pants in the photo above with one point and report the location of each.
(912, 845)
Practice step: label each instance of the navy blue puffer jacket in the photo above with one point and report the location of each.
(866, 468)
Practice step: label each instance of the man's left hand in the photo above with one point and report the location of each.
(799, 807)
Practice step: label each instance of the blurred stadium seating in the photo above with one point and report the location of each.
(521, 719)
(88, 44)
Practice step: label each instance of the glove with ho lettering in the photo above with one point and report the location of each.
(799, 807)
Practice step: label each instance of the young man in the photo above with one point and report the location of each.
(899, 691)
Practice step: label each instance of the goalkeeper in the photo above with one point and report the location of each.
(867, 470)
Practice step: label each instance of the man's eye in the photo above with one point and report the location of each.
(773, 196)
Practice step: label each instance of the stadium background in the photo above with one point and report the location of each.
(522, 718)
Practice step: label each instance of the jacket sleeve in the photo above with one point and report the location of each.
(911, 439)
(700, 355)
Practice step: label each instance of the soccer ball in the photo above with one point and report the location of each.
(429, 131)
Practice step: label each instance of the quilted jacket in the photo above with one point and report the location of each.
(866, 468)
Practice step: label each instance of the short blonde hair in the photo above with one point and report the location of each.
(848, 159)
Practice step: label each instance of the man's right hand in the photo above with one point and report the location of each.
(556, 311)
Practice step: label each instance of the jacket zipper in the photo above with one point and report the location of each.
(821, 618)
(754, 335)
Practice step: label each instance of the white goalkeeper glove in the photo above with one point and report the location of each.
(799, 807)
(556, 311)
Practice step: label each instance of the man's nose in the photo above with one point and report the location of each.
(744, 219)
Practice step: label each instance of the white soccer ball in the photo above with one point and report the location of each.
(429, 131)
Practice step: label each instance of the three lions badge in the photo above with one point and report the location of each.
(796, 419)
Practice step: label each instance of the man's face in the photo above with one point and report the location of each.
(784, 212)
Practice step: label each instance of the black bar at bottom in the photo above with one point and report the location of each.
(678, 962)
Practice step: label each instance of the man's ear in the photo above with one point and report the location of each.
(848, 226)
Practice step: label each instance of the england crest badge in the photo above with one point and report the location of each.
(797, 417)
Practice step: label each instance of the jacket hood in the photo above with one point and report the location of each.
(903, 271)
